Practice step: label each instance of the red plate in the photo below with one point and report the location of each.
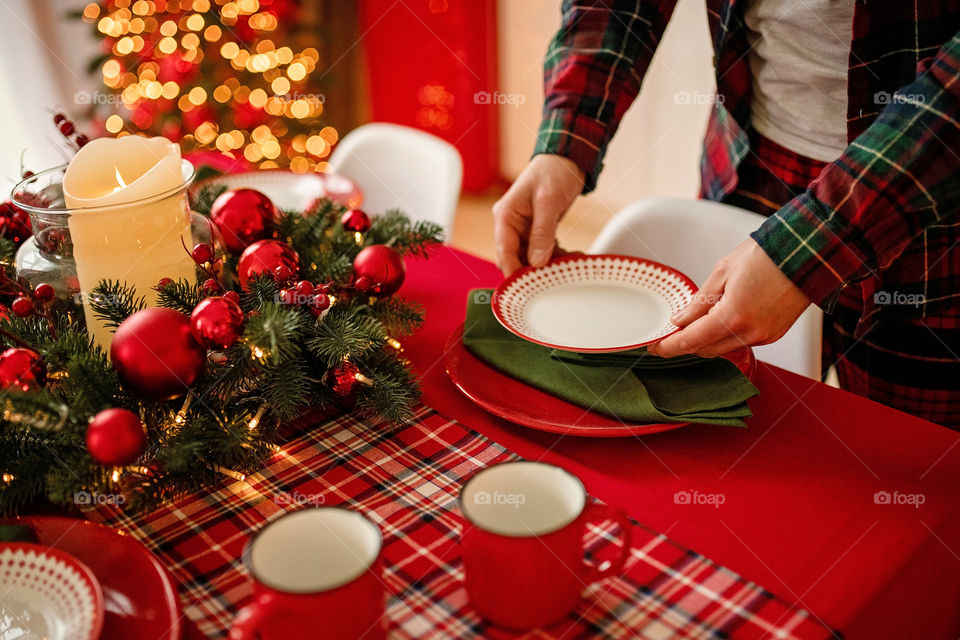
(138, 593)
(522, 404)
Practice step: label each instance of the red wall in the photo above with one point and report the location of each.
(426, 61)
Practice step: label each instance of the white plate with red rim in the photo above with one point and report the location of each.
(47, 593)
(593, 303)
(295, 191)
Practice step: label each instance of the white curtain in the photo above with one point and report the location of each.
(657, 148)
(43, 60)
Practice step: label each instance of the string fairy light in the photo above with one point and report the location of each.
(230, 473)
(171, 94)
(255, 420)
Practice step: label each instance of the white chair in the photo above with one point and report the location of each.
(403, 168)
(691, 235)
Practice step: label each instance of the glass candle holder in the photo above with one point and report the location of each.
(137, 242)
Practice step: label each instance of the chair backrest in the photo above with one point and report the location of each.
(404, 168)
(692, 235)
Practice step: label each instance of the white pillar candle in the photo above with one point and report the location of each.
(128, 215)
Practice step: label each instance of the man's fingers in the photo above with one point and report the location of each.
(508, 247)
(696, 337)
(722, 347)
(543, 231)
(506, 234)
(708, 295)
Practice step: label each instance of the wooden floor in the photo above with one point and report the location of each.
(474, 225)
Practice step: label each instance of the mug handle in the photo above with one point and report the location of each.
(247, 622)
(596, 512)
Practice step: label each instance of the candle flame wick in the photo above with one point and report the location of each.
(123, 185)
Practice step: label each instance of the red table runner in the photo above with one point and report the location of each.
(822, 492)
(407, 479)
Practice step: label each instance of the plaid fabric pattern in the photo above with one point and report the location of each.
(906, 363)
(407, 479)
(875, 237)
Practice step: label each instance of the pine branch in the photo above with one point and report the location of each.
(393, 228)
(113, 302)
(397, 315)
(276, 331)
(344, 334)
(202, 199)
(181, 295)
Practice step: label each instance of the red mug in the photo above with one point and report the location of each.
(523, 543)
(317, 575)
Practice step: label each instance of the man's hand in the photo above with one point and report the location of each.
(526, 217)
(745, 301)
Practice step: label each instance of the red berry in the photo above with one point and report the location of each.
(202, 253)
(282, 273)
(164, 282)
(232, 296)
(58, 118)
(320, 302)
(44, 292)
(363, 284)
(27, 174)
(304, 288)
(211, 286)
(325, 289)
(288, 296)
(66, 128)
(81, 140)
(23, 307)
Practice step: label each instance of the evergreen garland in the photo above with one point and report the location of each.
(228, 423)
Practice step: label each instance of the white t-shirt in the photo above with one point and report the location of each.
(799, 51)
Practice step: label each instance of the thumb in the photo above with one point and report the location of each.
(543, 231)
(708, 295)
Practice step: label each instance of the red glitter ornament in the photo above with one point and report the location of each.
(355, 220)
(344, 378)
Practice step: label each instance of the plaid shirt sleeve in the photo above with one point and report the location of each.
(592, 73)
(895, 180)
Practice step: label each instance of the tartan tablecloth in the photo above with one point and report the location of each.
(407, 479)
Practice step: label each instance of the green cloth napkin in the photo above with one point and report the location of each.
(632, 386)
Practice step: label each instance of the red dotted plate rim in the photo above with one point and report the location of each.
(85, 573)
(521, 273)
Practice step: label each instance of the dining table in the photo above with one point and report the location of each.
(829, 515)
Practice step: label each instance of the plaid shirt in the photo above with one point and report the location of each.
(882, 215)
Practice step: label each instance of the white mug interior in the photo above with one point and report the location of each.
(523, 499)
(313, 550)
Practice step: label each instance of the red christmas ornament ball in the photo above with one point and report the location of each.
(156, 354)
(243, 216)
(22, 306)
(383, 265)
(355, 220)
(44, 292)
(344, 378)
(265, 256)
(216, 322)
(21, 368)
(116, 437)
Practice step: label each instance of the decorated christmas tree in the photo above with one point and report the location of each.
(213, 74)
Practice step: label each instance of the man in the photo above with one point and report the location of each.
(841, 121)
